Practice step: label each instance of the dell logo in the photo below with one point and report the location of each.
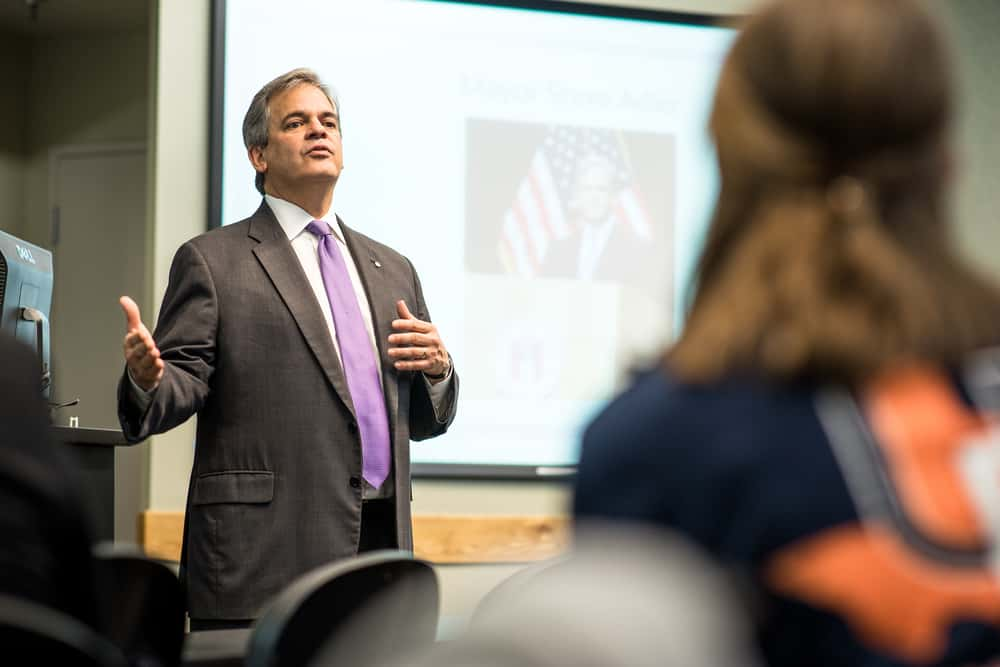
(25, 254)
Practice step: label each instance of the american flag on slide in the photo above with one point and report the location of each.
(538, 213)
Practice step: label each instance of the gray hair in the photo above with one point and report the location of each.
(258, 116)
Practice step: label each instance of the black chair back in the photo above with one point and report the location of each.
(45, 542)
(143, 606)
(32, 634)
(357, 611)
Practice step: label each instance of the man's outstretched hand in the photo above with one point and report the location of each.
(141, 354)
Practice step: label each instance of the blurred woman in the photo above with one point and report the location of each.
(828, 419)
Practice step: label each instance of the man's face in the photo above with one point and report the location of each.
(303, 141)
(593, 190)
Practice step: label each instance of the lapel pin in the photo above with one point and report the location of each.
(378, 264)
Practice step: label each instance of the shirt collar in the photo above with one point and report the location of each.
(600, 232)
(293, 219)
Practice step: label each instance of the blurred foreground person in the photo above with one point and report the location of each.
(828, 419)
(45, 539)
(626, 597)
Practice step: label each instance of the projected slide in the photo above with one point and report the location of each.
(548, 174)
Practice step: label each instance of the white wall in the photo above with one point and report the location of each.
(179, 193)
(87, 89)
(13, 91)
(974, 26)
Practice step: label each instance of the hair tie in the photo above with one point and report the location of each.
(847, 196)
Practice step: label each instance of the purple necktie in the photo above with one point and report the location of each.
(360, 369)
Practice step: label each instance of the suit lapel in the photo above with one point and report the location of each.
(282, 266)
(382, 302)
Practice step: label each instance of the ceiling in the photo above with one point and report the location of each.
(56, 17)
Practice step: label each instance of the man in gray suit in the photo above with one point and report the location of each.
(308, 354)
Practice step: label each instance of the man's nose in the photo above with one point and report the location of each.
(316, 129)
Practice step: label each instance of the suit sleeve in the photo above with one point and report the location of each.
(186, 335)
(425, 421)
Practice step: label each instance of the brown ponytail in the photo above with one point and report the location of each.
(828, 257)
(818, 288)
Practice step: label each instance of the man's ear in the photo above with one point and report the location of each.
(257, 159)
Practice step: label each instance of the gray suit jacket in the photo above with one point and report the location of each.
(276, 485)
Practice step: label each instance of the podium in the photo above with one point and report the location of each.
(94, 451)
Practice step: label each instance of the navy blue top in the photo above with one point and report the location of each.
(746, 470)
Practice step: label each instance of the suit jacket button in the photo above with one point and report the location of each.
(355, 483)
(352, 427)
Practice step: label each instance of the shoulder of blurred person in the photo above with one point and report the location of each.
(771, 478)
(45, 543)
(703, 457)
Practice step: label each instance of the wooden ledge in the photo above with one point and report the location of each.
(443, 538)
(489, 539)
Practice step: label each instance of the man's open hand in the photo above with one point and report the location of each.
(141, 354)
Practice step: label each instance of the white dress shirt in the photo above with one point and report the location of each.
(593, 240)
(293, 221)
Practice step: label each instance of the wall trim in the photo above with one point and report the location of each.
(438, 538)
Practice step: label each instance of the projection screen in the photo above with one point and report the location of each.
(545, 166)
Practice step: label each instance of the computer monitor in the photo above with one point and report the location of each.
(26, 297)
